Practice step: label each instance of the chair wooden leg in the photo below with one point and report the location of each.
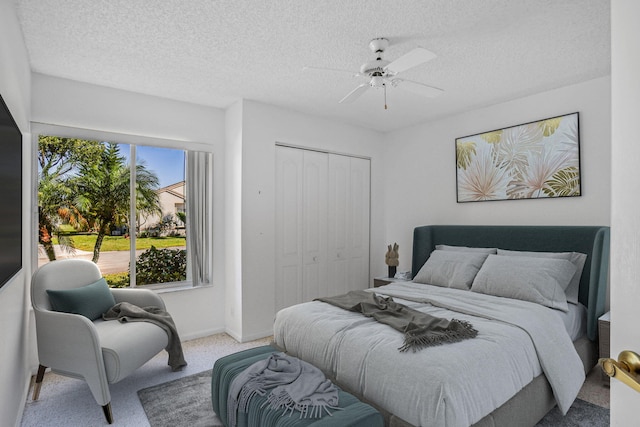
(107, 413)
(38, 383)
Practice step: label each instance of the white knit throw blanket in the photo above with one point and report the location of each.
(295, 385)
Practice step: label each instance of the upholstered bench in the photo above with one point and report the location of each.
(352, 412)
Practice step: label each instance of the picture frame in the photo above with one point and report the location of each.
(534, 160)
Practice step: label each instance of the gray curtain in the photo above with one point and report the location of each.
(198, 212)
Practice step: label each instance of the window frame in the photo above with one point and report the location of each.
(39, 128)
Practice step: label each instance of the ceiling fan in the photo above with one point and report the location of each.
(381, 73)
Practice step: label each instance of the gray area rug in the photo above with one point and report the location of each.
(182, 402)
(581, 414)
(187, 402)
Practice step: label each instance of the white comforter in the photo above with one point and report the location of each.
(450, 385)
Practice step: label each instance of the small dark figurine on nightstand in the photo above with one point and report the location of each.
(391, 259)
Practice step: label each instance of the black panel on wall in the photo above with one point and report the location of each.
(10, 195)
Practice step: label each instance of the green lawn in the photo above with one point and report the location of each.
(86, 242)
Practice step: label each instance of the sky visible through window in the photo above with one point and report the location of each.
(166, 163)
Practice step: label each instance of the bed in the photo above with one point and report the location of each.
(526, 358)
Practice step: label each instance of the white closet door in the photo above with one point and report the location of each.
(289, 231)
(322, 225)
(359, 211)
(314, 214)
(301, 224)
(338, 232)
(348, 245)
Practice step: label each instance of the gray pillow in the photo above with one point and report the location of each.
(450, 269)
(466, 249)
(576, 258)
(539, 280)
(90, 300)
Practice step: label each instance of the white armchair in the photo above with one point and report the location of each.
(100, 352)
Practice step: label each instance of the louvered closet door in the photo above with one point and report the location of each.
(349, 209)
(301, 225)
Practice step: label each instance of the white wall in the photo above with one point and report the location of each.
(15, 86)
(421, 189)
(625, 231)
(197, 312)
(233, 225)
(262, 127)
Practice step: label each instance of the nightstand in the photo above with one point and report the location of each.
(604, 324)
(381, 281)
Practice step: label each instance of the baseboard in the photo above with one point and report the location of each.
(236, 336)
(202, 334)
(246, 338)
(257, 335)
(233, 334)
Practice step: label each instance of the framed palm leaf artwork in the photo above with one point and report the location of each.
(534, 160)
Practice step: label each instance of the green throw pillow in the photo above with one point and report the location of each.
(90, 301)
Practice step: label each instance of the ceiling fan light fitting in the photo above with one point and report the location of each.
(377, 82)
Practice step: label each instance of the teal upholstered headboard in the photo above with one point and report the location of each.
(590, 240)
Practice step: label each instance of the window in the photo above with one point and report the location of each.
(143, 225)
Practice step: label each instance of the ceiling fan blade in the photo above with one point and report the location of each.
(412, 59)
(396, 40)
(417, 87)
(354, 94)
(330, 69)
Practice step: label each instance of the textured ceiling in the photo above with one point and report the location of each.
(214, 52)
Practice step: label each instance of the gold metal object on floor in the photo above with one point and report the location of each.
(625, 369)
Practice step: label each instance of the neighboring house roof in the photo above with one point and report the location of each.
(171, 190)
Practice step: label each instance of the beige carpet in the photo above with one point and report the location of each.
(594, 389)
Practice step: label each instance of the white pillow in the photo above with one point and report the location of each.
(450, 269)
(466, 249)
(576, 258)
(539, 280)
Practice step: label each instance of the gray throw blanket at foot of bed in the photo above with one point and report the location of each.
(127, 312)
(295, 386)
(420, 329)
